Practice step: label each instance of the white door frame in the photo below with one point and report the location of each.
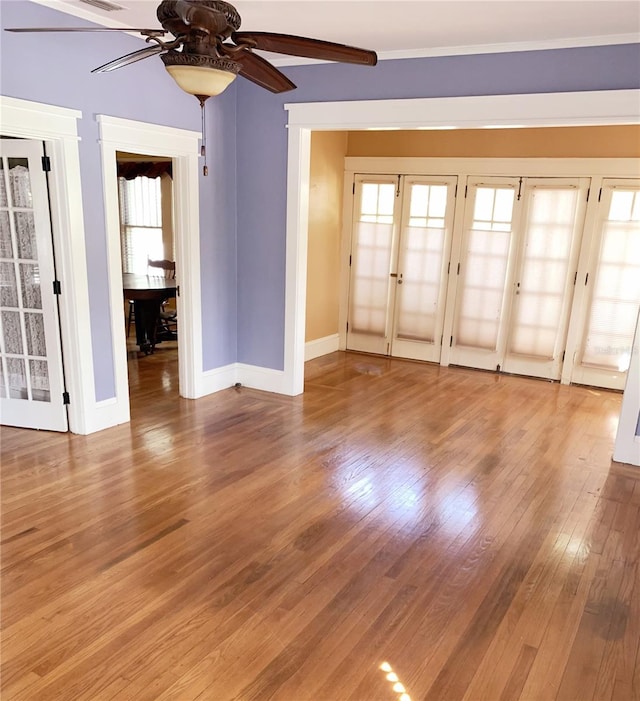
(534, 110)
(57, 126)
(181, 145)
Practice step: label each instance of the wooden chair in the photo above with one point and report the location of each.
(168, 268)
(168, 323)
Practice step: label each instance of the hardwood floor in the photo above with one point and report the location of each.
(467, 529)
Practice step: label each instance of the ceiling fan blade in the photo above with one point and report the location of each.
(129, 58)
(306, 47)
(146, 32)
(261, 72)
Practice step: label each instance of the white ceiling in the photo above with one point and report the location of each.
(400, 29)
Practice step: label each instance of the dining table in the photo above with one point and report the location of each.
(147, 292)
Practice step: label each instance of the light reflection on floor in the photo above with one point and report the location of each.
(397, 685)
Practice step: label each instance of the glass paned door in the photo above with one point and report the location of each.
(373, 252)
(614, 281)
(31, 379)
(546, 270)
(401, 239)
(487, 245)
(423, 258)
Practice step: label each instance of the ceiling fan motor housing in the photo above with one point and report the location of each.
(213, 17)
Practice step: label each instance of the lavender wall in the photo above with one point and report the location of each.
(262, 148)
(55, 69)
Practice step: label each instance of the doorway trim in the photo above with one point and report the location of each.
(477, 112)
(117, 134)
(57, 127)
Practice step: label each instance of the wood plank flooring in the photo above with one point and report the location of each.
(467, 529)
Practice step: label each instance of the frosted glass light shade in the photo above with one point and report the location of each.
(200, 80)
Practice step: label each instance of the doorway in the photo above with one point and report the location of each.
(147, 246)
(151, 140)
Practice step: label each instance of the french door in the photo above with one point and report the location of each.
(31, 375)
(612, 283)
(402, 230)
(521, 239)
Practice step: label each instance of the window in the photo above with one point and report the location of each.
(140, 223)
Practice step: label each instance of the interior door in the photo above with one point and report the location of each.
(613, 285)
(31, 377)
(421, 272)
(546, 271)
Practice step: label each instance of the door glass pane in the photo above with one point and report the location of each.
(39, 375)
(34, 327)
(371, 259)
(616, 294)
(12, 333)
(484, 268)
(20, 183)
(17, 378)
(6, 248)
(542, 281)
(422, 246)
(26, 235)
(30, 281)
(377, 202)
(8, 285)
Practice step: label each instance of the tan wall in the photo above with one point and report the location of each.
(328, 150)
(325, 198)
(561, 142)
(166, 189)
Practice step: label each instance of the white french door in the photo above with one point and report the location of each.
(545, 276)
(31, 374)
(376, 214)
(401, 238)
(480, 323)
(521, 239)
(612, 283)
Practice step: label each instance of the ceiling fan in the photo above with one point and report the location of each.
(206, 51)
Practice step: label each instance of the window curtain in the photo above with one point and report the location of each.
(151, 169)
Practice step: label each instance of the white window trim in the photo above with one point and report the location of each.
(536, 110)
(181, 145)
(57, 126)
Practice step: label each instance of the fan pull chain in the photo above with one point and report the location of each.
(203, 147)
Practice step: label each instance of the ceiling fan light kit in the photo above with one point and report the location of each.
(202, 76)
(208, 52)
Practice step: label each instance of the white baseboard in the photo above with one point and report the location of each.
(251, 376)
(263, 379)
(217, 379)
(104, 414)
(321, 346)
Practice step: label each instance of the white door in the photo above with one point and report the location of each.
(31, 377)
(480, 318)
(423, 261)
(374, 244)
(401, 239)
(521, 240)
(546, 272)
(613, 287)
